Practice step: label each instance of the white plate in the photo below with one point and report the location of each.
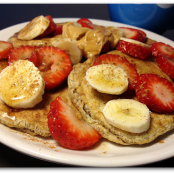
(104, 153)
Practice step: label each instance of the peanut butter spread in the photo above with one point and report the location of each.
(74, 30)
(89, 41)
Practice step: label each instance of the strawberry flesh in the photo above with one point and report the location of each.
(54, 64)
(134, 50)
(57, 30)
(166, 64)
(106, 48)
(22, 52)
(122, 63)
(162, 48)
(67, 129)
(5, 48)
(85, 23)
(134, 34)
(156, 92)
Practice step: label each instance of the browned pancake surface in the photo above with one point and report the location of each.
(90, 103)
(34, 120)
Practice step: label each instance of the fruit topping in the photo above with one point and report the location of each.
(22, 52)
(85, 23)
(107, 78)
(134, 48)
(156, 92)
(122, 63)
(71, 48)
(135, 34)
(162, 48)
(51, 27)
(21, 85)
(5, 48)
(54, 64)
(127, 114)
(67, 129)
(166, 64)
(57, 30)
(106, 48)
(34, 28)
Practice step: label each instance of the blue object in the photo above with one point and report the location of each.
(153, 17)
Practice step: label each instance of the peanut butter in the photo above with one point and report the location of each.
(74, 30)
(91, 41)
(94, 40)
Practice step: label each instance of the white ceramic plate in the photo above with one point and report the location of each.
(104, 153)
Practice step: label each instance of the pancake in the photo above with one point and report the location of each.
(90, 104)
(34, 120)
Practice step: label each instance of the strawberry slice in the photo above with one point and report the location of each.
(135, 34)
(121, 62)
(162, 48)
(134, 48)
(156, 92)
(57, 30)
(51, 27)
(54, 64)
(67, 129)
(22, 52)
(5, 48)
(85, 23)
(166, 64)
(106, 48)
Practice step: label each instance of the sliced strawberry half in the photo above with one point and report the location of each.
(67, 129)
(54, 64)
(57, 30)
(5, 48)
(51, 27)
(85, 23)
(121, 62)
(135, 34)
(106, 48)
(156, 92)
(134, 48)
(166, 64)
(22, 52)
(162, 48)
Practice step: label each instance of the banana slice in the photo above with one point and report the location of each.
(107, 78)
(21, 85)
(34, 28)
(128, 115)
(71, 48)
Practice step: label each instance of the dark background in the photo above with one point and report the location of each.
(12, 14)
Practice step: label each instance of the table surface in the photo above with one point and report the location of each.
(18, 13)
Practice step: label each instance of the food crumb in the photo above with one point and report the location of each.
(161, 141)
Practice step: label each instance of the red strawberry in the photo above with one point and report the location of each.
(134, 34)
(106, 48)
(57, 30)
(86, 23)
(163, 48)
(67, 129)
(50, 28)
(54, 64)
(22, 52)
(121, 62)
(5, 48)
(134, 48)
(156, 92)
(166, 64)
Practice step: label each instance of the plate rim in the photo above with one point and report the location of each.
(63, 161)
